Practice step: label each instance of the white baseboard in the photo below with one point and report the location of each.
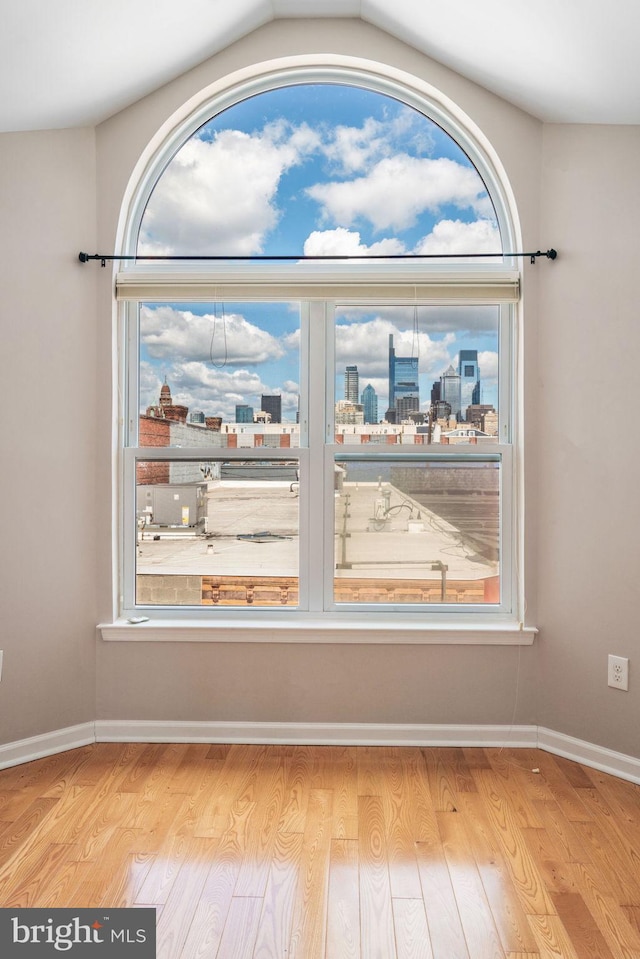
(322, 734)
(36, 747)
(316, 734)
(597, 757)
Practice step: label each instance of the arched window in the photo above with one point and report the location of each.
(320, 374)
(319, 169)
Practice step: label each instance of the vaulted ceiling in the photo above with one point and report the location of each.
(69, 63)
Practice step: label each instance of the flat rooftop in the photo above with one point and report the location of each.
(377, 537)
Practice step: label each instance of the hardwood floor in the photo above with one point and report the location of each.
(306, 852)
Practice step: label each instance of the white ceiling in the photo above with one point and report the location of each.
(75, 62)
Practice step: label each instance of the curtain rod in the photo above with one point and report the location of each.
(550, 255)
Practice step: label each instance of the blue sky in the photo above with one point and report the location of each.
(323, 169)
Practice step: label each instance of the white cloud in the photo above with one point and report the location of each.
(488, 364)
(173, 334)
(455, 236)
(199, 386)
(397, 190)
(150, 385)
(291, 341)
(289, 403)
(202, 377)
(341, 242)
(367, 345)
(461, 320)
(356, 149)
(218, 196)
(352, 148)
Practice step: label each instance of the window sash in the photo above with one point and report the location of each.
(317, 458)
(324, 568)
(317, 526)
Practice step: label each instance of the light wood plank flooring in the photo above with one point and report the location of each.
(307, 852)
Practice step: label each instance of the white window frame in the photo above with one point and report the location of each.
(320, 285)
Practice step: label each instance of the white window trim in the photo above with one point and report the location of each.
(453, 624)
(441, 284)
(323, 629)
(309, 68)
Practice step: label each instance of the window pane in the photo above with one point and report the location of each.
(221, 375)
(416, 374)
(217, 533)
(322, 169)
(417, 532)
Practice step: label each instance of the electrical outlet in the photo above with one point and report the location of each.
(618, 672)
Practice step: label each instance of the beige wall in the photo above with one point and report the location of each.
(575, 189)
(48, 318)
(314, 683)
(588, 515)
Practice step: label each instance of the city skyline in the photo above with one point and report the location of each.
(367, 401)
(461, 388)
(245, 359)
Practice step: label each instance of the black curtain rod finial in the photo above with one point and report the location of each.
(550, 255)
(85, 257)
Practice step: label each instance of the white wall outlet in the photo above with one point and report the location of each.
(618, 672)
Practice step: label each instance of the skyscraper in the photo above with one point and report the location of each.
(369, 400)
(351, 381)
(450, 389)
(403, 380)
(244, 413)
(273, 406)
(469, 380)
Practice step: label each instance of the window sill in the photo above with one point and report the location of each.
(320, 630)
